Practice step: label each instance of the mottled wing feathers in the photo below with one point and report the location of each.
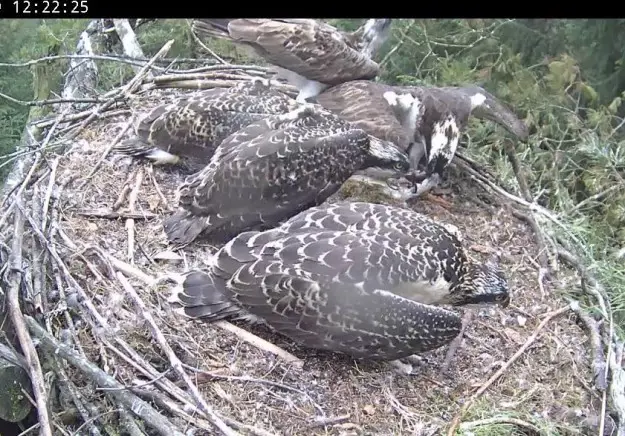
(362, 103)
(439, 242)
(192, 126)
(375, 327)
(332, 290)
(310, 48)
(273, 173)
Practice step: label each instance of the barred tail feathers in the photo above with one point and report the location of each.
(183, 228)
(213, 27)
(203, 295)
(137, 148)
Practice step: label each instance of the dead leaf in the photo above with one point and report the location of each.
(368, 409)
(167, 256)
(513, 336)
(484, 249)
(153, 203)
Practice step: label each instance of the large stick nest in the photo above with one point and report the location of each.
(93, 246)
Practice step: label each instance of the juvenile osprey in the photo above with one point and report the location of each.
(187, 130)
(362, 279)
(310, 54)
(426, 122)
(379, 111)
(274, 168)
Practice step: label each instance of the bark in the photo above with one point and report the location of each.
(81, 79)
(129, 41)
(32, 134)
(15, 382)
(80, 82)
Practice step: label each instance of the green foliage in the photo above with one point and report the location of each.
(22, 40)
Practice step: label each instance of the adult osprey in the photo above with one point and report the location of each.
(187, 130)
(357, 278)
(446, 115)
(274, 168)
(426, 122)
(309, 54)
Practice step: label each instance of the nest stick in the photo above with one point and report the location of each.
(259, 343)
(106, 152)
(173, 359)
(533, 207)
(169, 405)
(157, 188)
(17, 317)
(130, 222)
(46, 200)
(129, 424)
(455, 344)
(501, 420)
(244, 335)
(525, 192)
(599, 364)
(65, 271)
(112, 215)
(76, 399)
(132, 86)
(139, 407)
(548, 317)
(128, 89)
(47, 122)
(123, 192)
(129, 269)
(136, 361)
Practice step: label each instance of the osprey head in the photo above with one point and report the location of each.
(481, 284)
(386, 157)
(484, 105)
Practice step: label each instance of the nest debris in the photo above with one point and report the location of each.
(93, 260)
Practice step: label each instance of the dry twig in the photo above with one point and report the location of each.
(139, 407)
(465, 407)
(173, 359)
(17, 318)
(112, 215)
(244, 335)
(501, 420)
(130, 222)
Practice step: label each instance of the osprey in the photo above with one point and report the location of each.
(274, 168)
(379, 111)
(362, 279)
(446, 115)
(425, 122)
(188, 130)
(310, 54)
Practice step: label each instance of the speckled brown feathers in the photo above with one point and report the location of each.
(273, 169)
(190, 128)
(358, 278)
(361, 103)
(329, 290)
(310, 48)
(440, 257)
(427, 124)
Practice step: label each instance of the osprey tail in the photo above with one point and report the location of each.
(183, 228)
(203, 295)
(217, 27)
(137, 148)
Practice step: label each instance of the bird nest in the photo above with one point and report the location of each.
(94, 255)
